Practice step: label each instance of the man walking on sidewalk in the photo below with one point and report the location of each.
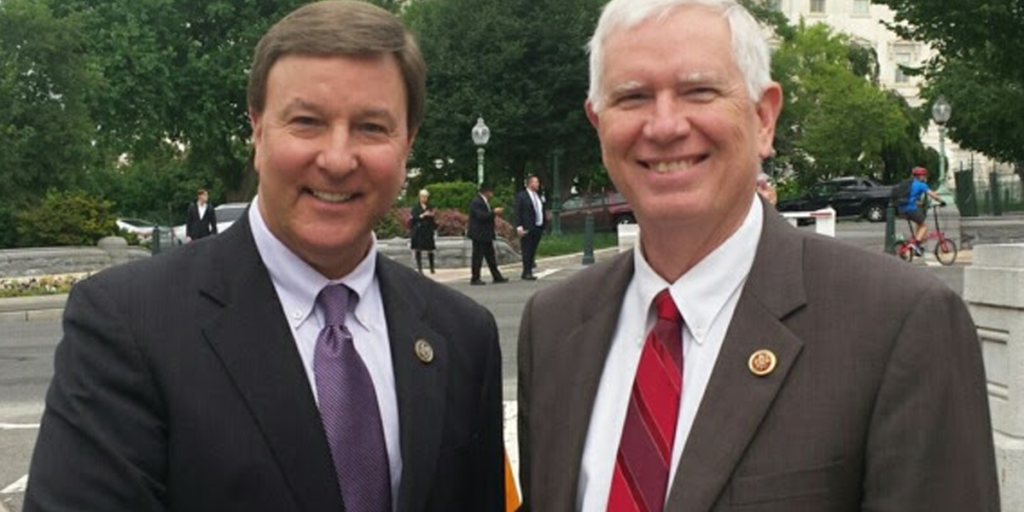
(481, 232)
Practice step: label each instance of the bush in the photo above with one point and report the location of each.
(395, 224)
(450, 222)
(65, 218)
(453, 194)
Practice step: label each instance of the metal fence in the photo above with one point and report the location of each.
(998, 193)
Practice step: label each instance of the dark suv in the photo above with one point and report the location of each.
(609, 209)
(849, 197)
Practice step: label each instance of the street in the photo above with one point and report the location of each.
(27, 348)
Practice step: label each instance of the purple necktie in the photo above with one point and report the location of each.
(348, 409)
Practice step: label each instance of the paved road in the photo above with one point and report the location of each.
(26, 349)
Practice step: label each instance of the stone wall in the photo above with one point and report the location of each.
(1006, 229)
(67, 260)
(994, 292)
(452, 252)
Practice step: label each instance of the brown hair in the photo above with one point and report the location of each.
(341, 28)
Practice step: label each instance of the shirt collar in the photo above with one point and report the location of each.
(297, 283)
(702, 292)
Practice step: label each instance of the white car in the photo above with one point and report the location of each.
(227, 214)
(142, 228)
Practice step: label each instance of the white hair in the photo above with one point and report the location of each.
(749, 47)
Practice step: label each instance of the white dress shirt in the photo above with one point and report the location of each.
(297, 285)
(706, 297)
(535, 199)
(201, 208)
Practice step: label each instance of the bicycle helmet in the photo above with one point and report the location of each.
(919, 171)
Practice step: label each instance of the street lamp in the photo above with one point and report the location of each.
(481, 134)
(941, 110)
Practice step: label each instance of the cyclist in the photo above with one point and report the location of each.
(912, 205)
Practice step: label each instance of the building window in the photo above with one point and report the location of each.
(861, 6)
(818, 6)
(902, 59)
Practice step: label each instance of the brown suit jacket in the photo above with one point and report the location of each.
(878, 401)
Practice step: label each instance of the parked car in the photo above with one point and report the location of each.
(849, 197)
(141, 228)
(227, 214)
(609, 209)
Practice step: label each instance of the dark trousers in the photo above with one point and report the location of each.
(529, 243)
(482, 250)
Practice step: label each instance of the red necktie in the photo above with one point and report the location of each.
(645, 452)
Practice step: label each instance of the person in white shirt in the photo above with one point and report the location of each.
(529, 224)
(730, 361)
(202, 218)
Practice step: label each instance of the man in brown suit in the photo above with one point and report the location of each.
(732, 362)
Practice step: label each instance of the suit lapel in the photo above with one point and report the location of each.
(736, 400)
(585, 351)
(256, 347)
(420, 387)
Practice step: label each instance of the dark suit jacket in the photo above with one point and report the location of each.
(178, 387)
(481, 220)
(526, 216)
(878, 402)
(197, 227)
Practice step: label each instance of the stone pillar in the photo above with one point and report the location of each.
(994, 292)
(116, 247)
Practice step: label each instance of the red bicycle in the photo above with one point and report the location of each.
(944, 250)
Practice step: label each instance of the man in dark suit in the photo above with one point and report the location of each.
(481, 233)
(202, 219)
(731, 362)
(529, 224)
(285, 365)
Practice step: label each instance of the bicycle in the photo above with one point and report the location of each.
(945, 248)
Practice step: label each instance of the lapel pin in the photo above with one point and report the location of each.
(424, 351)
(762, 362)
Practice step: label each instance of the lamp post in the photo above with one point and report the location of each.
(941, 110)
(556, 199)
(481, 134)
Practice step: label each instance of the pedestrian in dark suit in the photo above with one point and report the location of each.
(202, 219)
(481, 232)
(529, 224)
(285, 365)
(423, 226)
(731, 362)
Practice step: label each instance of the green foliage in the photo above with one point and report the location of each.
(520, 65)
(570, 243)
(394, 224)
(175, 71)
(454, 194)
(979, 67)
(45, 127)
(836, 121)
(65, 218)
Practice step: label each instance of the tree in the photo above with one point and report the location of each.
(979, 67)
(45, 128)
(522, 66)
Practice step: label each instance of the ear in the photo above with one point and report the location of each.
(588, 106)
(768, 109)
(256, 122)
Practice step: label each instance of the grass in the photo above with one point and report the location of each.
(568, 243)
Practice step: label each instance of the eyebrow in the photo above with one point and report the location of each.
(300, 104)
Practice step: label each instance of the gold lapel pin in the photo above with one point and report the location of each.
(762, 362)
(424, 351)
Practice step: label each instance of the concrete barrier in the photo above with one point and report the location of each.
(994, 292)
(628, 235)
(824, 220)
(452, 252)
(44, 261)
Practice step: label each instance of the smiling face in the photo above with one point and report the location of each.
(331, 145)
(680, 136)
